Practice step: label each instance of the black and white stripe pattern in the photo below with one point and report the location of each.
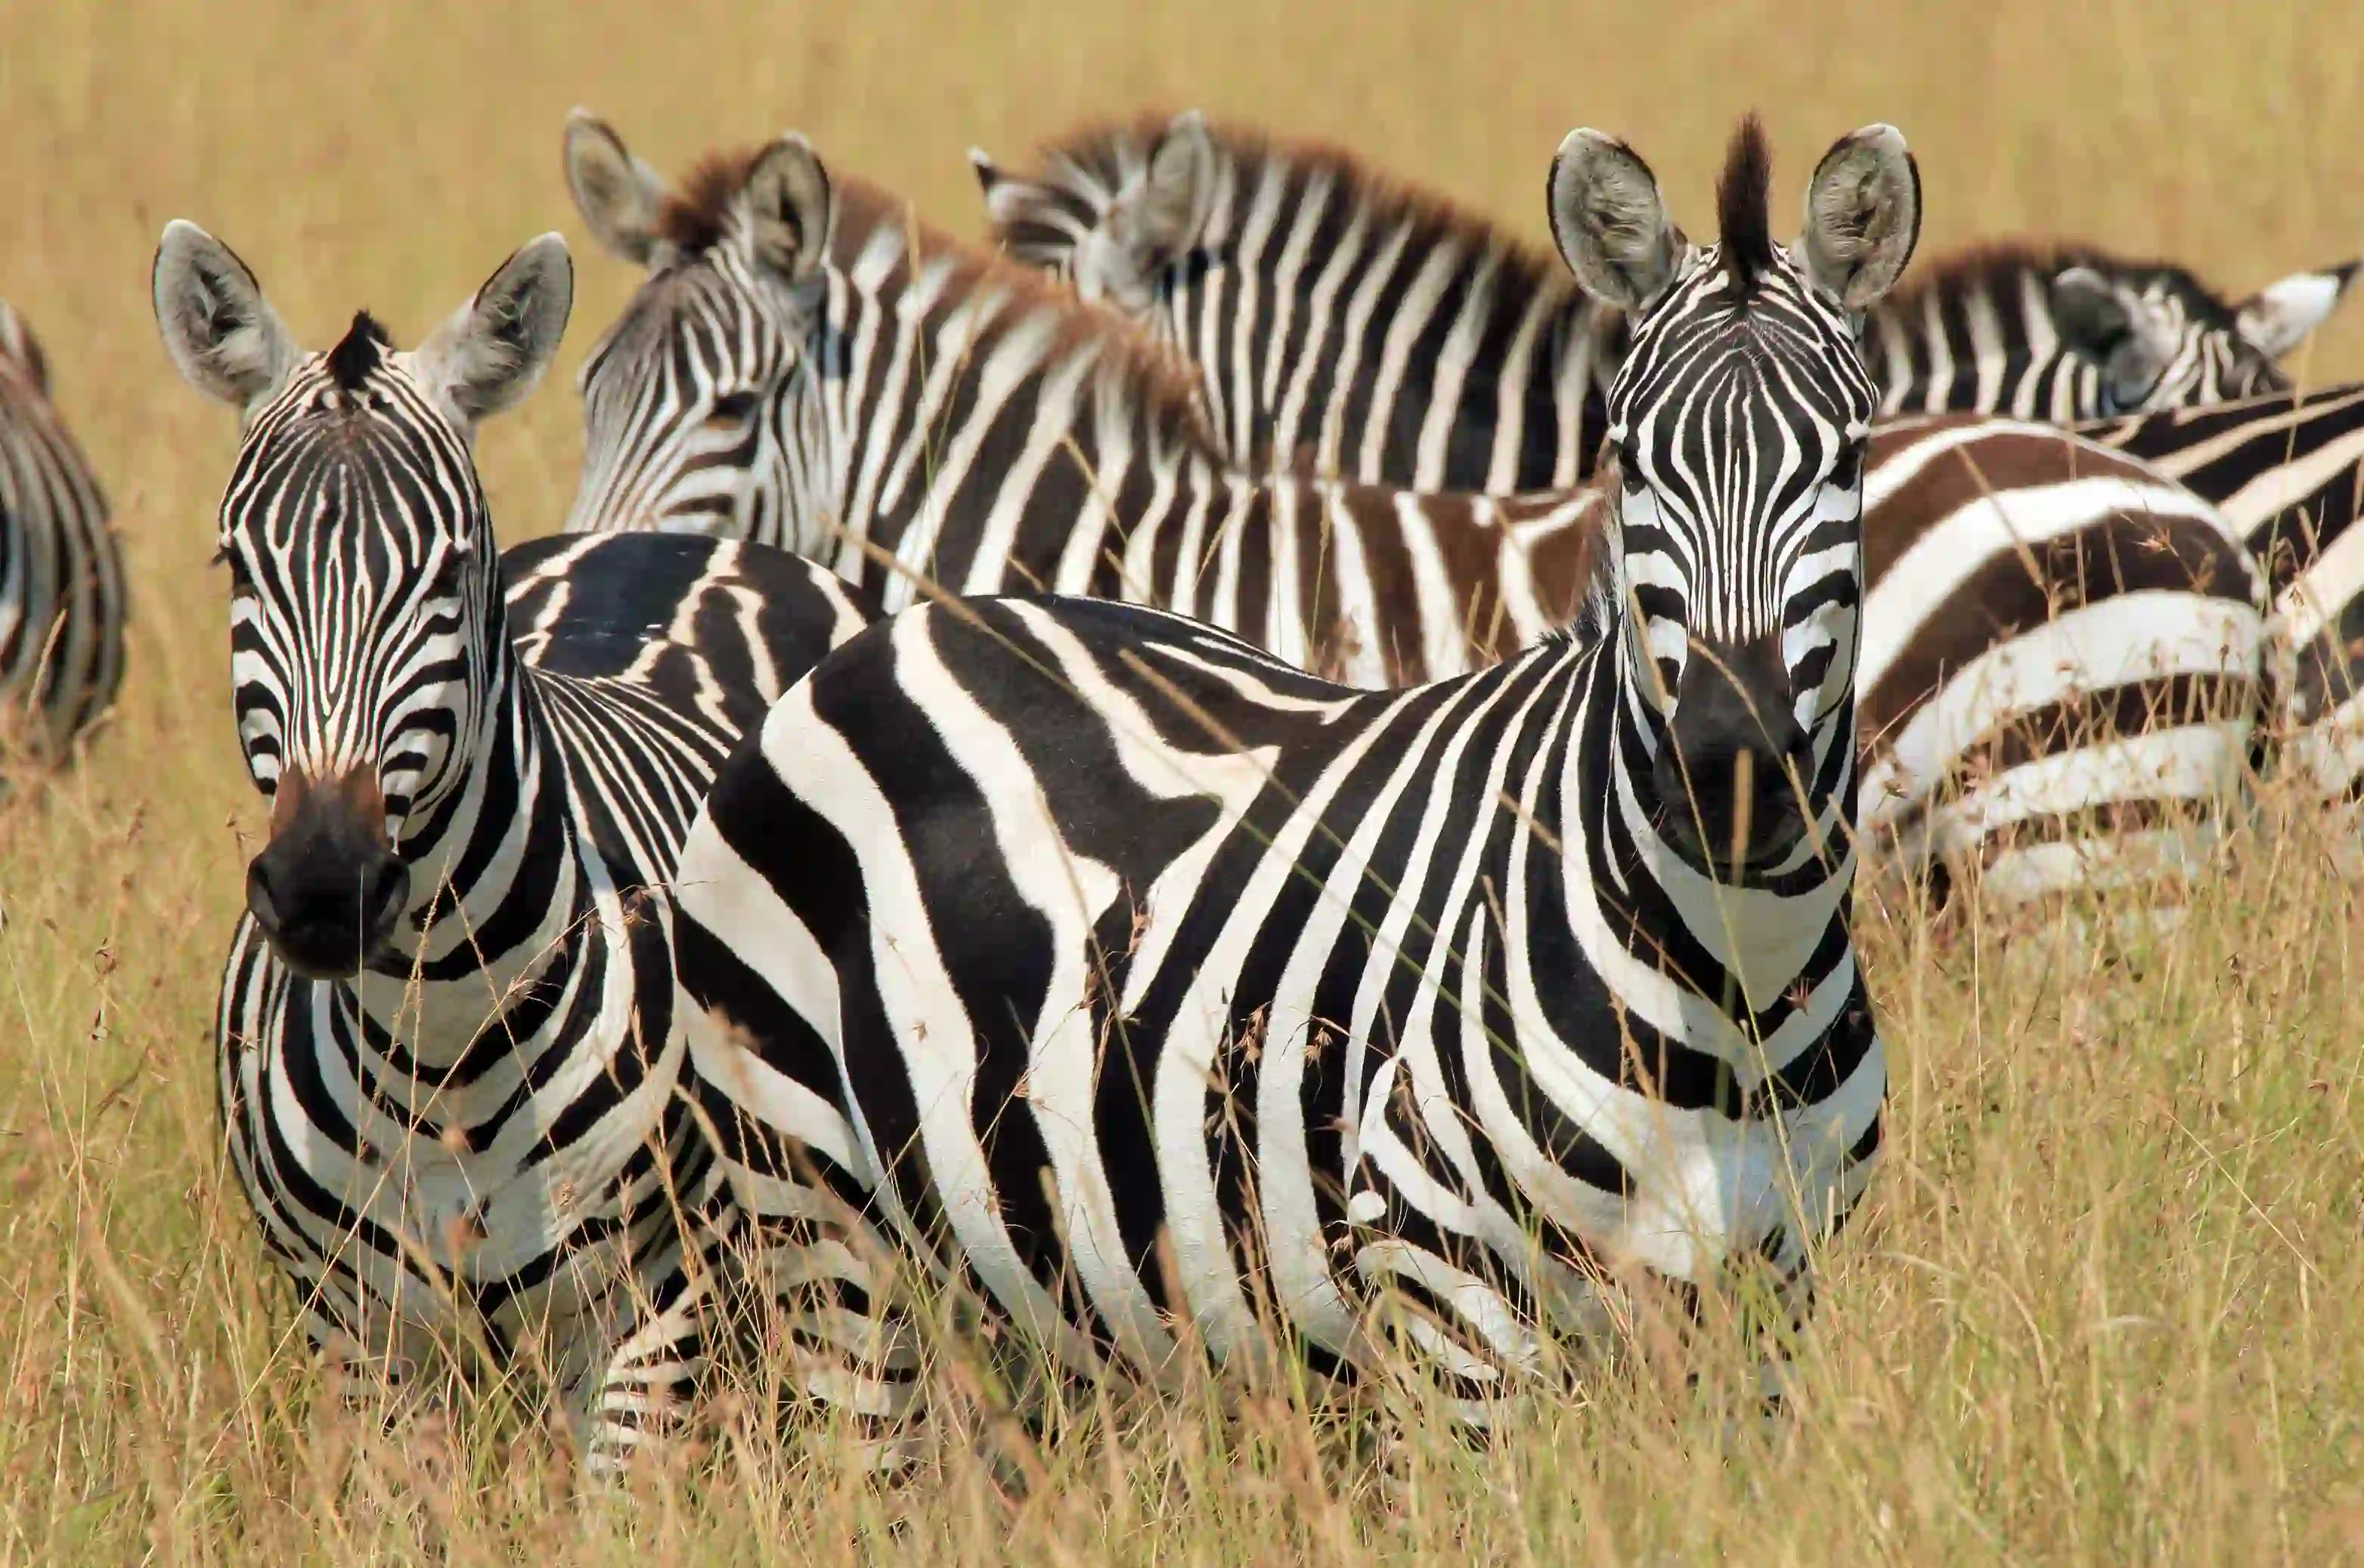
(1029, 393)
(2288, 472)
(807, 367)
(1342, 320)
(1148, 985)
(2068, 333)
(61, 589)
(447, 1069)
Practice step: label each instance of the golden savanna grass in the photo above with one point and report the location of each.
(2102, 1308)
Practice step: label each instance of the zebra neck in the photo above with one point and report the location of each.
(502, 905)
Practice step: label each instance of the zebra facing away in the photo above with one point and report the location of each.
(1381, 334)
(1139, 980)
(61, 589)
(954, 410)
(442, 1033)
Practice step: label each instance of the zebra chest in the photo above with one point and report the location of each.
(506, 1172)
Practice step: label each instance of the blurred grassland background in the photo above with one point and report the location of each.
(2102, 1307)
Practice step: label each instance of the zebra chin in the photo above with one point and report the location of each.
(328, 890)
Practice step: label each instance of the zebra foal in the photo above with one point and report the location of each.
(63, 603)
(450, 1084)
(1062, 937)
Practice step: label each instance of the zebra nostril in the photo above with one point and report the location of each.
(259, 900)
(385, 888)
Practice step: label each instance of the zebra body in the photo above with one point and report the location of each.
(1343, 320)
(61, 590)
(693, 419)
(1045, 931)
(444, 1031)
(2288, 472)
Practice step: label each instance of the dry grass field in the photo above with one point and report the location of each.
(2104, 1306)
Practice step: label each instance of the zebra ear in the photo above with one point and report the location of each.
(618, 196)
(2090, 318)
(18, 342)
(495, 349)
(1863, 216)
(2278, 317)
(1159, 217)
(1611, 223)
(2098, 321)
(789, 208)
(225, 339)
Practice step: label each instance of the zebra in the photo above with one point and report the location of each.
(1148, 985)
(63, 603)
(754, 382)
(806, 367)
(2287, 470)
(442, 1031)
(1379, 333)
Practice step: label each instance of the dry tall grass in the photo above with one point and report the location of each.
(2100, 1308)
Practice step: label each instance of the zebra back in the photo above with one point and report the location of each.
(63, 598)
(1452, 363)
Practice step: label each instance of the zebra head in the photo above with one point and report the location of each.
(2157, 339)
(701, 406)
(1112, 226)
(1739, 420)
(367, 644)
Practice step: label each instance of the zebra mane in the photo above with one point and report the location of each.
(1107, 151)
(1158, 378)
(1742, 219)
(696, 212)
(358, 352)
(2001, 263)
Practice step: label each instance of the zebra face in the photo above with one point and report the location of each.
(701, 406)
(2155, 339)
(1739, 418)
(366, 639)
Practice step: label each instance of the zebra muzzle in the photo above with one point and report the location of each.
(1730, 773)
(327, 889)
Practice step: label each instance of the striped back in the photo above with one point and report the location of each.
(61, 589)
(1338, 319)
(806, 366)
(1335, 317)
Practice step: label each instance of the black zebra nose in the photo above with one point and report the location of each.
(1735, 757)
(326, 890)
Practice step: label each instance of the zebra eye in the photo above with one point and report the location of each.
(1629, 469)
(242, 585)
(1848, 471)
(732, 408)
(447, 578)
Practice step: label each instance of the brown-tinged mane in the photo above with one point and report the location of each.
(2000, 263)
(697, 214)
(1106, 147)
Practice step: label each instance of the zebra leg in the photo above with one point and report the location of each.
(646, 1384)
(826, 1326)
